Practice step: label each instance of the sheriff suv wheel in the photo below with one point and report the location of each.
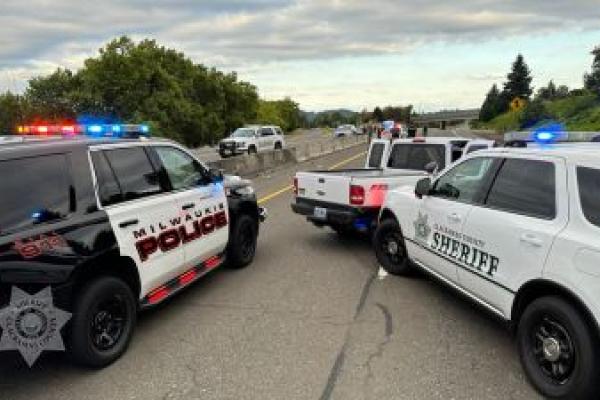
(558, 350)
(242, 244)
(390, 248)
(103, 322)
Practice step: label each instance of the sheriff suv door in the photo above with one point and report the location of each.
(202, 214)
(512, 231)
(266, 138)
(140, 212)
(442, 214)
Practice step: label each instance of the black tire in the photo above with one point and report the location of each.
(103, 322)
(558, 350)
(390, 248)
(251, 150)
(242, 243)
(278, 146)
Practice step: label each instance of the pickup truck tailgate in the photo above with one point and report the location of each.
(324, 187)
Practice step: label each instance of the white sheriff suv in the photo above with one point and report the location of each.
(251, 140)
(515, 230)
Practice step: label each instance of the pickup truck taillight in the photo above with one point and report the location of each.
(357, 195)
(295, 186)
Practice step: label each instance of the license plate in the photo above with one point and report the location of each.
(320, 213)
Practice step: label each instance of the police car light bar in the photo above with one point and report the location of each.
(92, 130)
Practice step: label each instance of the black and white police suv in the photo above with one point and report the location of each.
(515, 230)
(114, 226)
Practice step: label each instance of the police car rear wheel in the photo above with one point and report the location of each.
(251, 150)
(103, 322)
(242, 244)
(558, 349)
(390, 248)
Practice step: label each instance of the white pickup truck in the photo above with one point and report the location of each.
(349, 200)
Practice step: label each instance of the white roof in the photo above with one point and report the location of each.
(431, 140)
(577, 153)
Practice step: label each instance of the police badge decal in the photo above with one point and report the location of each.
(422, 228)
(31, 324)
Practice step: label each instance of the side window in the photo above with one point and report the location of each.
(465, 182)
(588, 181)
(525, 187)
(109, 191)
(183, 171)
(266, 132)
(34, 191)
(376, 155)
(134, 172)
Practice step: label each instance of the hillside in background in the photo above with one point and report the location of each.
(577, 113)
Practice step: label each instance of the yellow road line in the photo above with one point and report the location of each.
(290, 187)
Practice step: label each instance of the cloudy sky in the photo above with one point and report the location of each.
(325, 54)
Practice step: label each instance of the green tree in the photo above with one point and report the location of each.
(535, 112)
(378, 114)
(592, 79)
(13, 112)
(519, 80)
(51, 97)
(492, 105)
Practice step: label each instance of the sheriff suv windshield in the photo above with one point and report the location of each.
(417, 156)
(243, 132)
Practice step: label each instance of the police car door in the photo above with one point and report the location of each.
(441, 215)
(202, 215)
(513, 230)
(139, 210)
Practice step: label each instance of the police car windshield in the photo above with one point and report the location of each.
(417, 156)
(243, 132)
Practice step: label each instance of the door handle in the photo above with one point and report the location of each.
(531, 239)
(454, 217)
(188, 206)
(127, 223)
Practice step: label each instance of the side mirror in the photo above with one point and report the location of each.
(423, 187)
(431, 168)
(216, 175)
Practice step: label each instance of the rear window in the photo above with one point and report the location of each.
(588, 180)
(417, 156)
(525, 187)
(376, 155)
(34, 191)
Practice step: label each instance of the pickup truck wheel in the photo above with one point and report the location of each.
(251, 150)
(242, 243)
(390, 248)
(103, 322)
(278, 146)
(558, 350)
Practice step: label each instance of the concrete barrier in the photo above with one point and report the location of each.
(252, 165)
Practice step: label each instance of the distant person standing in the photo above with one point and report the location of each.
(425, 131)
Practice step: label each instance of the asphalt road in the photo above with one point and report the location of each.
(309, 319)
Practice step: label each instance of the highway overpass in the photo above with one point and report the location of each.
(447, 118)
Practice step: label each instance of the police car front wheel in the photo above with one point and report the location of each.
(558, 349)
(242, 244)
(390, 248)
(103, 322)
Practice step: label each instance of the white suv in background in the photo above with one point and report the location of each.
(251, 140)
(517, 231)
